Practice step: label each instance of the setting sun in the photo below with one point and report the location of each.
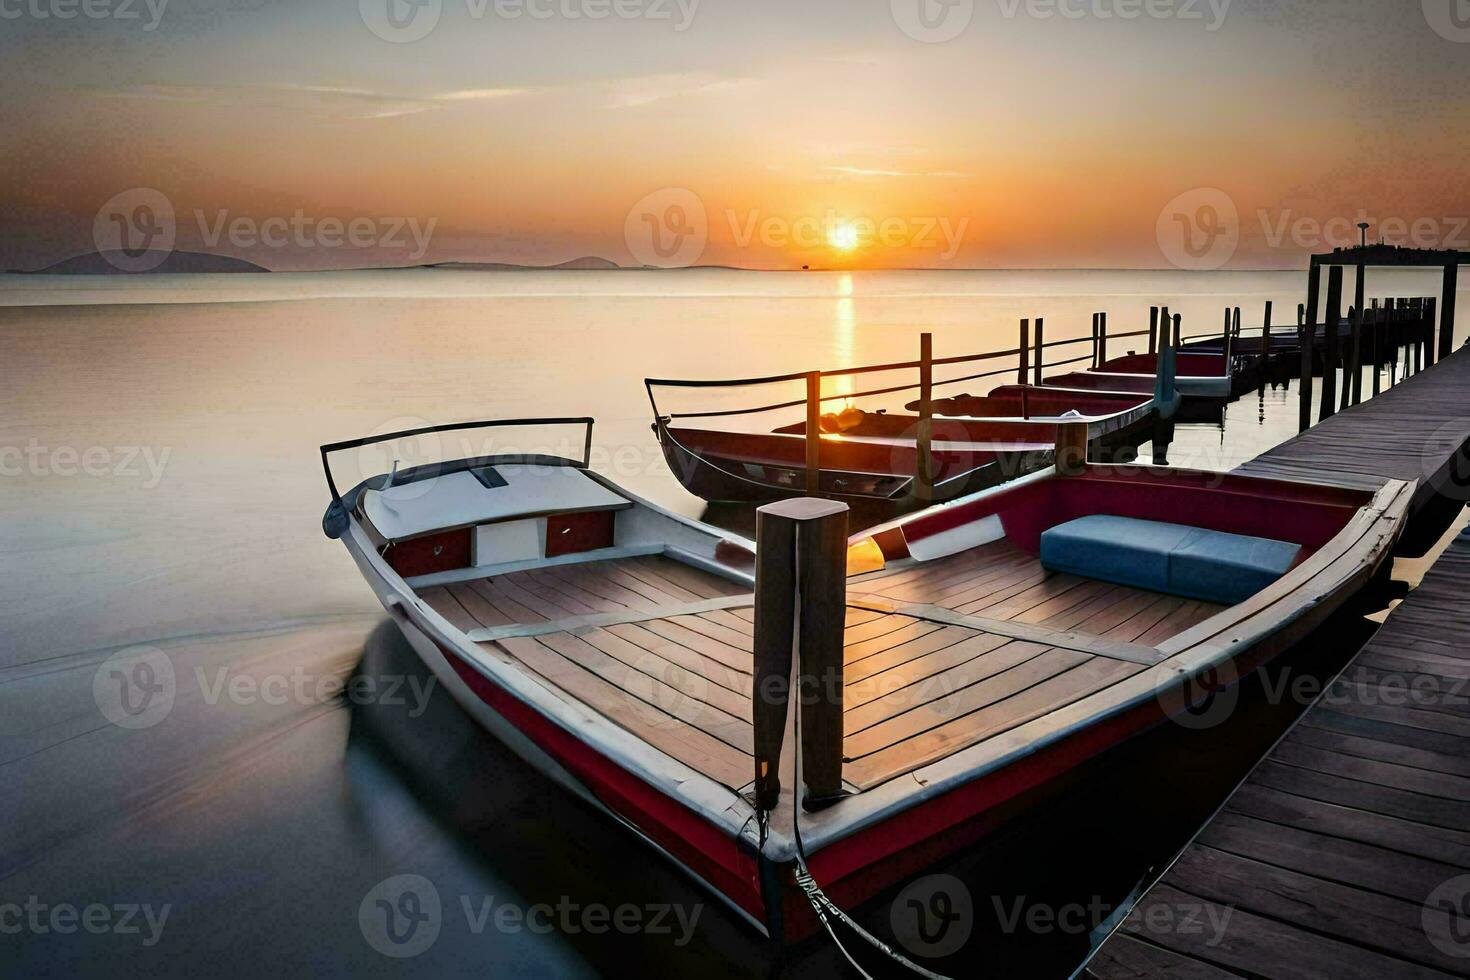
(844, 237)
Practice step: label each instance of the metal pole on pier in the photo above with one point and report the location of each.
(800, 609)
(924, 443)
(1329, 368)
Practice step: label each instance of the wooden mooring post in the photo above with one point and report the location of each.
(1426, 335)
(1308, 333)
(1024, 347)
(800, 611)
(1329, 363)
(1266, 333)
(1375, 351)
(1447, 309)
(1153, 329)
(924, 437)
(1040, 347)
(813, 432)
(1102, 338)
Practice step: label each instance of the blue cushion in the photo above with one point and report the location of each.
(1192, 562)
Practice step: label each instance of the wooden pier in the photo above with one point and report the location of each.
(1413, 431)
(1346, 852)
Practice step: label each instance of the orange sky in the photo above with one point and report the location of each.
(1024, 140)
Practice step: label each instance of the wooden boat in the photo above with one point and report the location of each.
(876, 457)
(990, 646)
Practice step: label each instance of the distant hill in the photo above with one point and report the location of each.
(100, 264)
(586, 262)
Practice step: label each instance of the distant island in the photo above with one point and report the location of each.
(585, 263)
(115, 263)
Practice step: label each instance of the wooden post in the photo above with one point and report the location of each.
(1375, 351)
(1309, 346)
(800, 609)
(1329, 378)
(924, 441)
(1355, 358)
(1447, 310)
(1040, 346)
(1266, 332)
(813, 433)
(1025, 349)
(1071, 449)
(1153, 329)
(1359, 287)
(1102, 338)
(1178, 319)
(1426, 335)
(1430, 317)
(1095, 361)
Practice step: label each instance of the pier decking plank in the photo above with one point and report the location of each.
(1344, 853)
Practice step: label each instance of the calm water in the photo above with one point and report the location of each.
(161, 488)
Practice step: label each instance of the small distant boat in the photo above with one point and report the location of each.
(993, 645)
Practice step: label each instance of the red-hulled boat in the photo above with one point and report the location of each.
(991, 645)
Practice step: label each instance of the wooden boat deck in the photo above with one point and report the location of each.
(939, 656)
(1347, 850)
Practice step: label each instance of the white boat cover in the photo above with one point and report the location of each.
(461, 500)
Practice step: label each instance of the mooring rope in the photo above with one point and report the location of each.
(823, 905)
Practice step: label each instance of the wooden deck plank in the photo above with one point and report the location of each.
(686, 743)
